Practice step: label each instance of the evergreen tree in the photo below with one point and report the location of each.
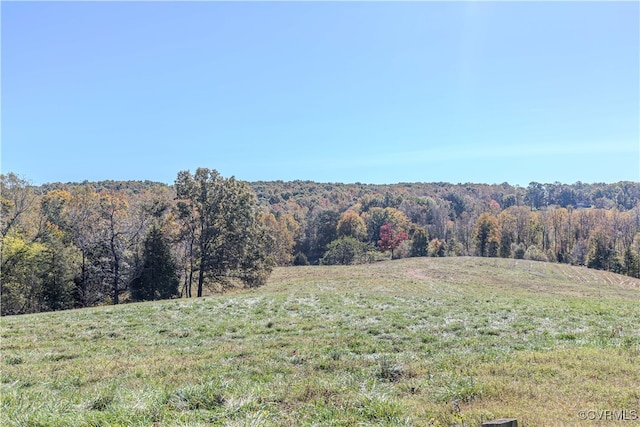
(55, 265)
(631, 263)
(600, 253)
(419, 242)
(300, 259)
(158, 278)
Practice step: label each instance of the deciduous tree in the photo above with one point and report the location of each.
(16, 199)
(322, 231)
(351, 224)
(487, 235)
(345, 251)
(230, 242)
(284, 231)
(390, 239)
(536, 195)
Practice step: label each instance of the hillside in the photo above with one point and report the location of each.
(420, 341)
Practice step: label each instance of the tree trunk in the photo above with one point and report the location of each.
(116, 277)
(203, 255)
(184, 286)
(83, 280)
(191, 265)
(200, 280)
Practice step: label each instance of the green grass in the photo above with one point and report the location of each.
(392, 343)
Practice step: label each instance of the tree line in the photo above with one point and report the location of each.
(76, 246)
(83, 244)
(594, 225)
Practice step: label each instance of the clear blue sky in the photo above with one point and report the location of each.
(342, 92)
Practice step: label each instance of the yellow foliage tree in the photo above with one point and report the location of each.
(351, 224)
(487, 235)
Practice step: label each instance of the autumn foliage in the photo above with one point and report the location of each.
(83, 244)
(390, 239)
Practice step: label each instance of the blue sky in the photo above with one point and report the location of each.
(326, 91)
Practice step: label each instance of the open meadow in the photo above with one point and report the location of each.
(420, 341)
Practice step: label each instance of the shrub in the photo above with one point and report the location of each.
(345, 251)
(534, 254)
(300, 259)
(437, 248)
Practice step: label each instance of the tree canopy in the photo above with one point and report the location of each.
(81, 244)
(230, 241)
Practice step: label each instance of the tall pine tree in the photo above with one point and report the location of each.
(157, 278)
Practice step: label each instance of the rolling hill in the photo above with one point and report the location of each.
(420, 341)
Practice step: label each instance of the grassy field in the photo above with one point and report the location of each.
(441, 342)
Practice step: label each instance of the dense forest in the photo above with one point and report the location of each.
(83, 244)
